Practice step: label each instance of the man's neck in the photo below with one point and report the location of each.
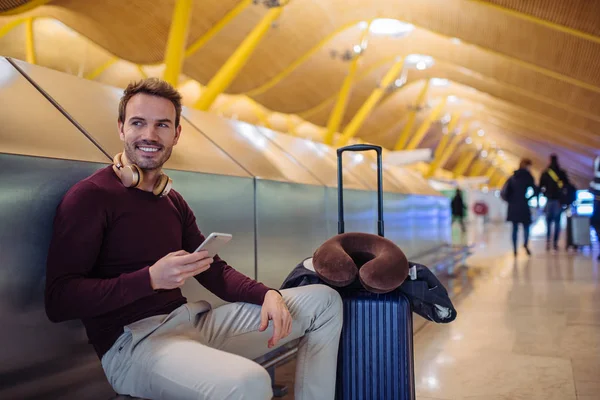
(150, 176)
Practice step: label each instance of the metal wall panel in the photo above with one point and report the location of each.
(220, 204)
(95, 106)
(360, 211)
(31, 125)
(34, 349)
(291, 225)
(250, 149)
(318, 158)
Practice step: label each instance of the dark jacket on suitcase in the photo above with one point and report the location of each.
(425, 292)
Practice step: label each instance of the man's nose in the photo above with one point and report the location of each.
(150, 133)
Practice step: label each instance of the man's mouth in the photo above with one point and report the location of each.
(148, 149)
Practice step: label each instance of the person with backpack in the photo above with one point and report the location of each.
(514, 193)
(555, 185)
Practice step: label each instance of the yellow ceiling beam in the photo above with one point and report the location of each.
(539, 21)
(30, 5)
(101, 68)
(519, 90)
(4, 30)
(362, 114)
(336, 116)
(464, 162)
(30, 55)
(216, 28)
(448, 151)
(412, 116)
(439, 150)
(228, 72)
(175, 53)
(417, 138)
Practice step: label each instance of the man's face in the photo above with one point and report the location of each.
(149, 131)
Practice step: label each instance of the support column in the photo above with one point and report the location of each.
(29, 41)
(464, 163)
(175, 54)
(370, 103)
(412, 115)
(439, 150)
(236, 61)
(424, 128)
(335, 119)
(448, 151)
(478, 168)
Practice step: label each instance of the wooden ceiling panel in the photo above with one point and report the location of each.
(582, 15)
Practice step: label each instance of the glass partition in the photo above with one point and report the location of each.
(32, 126)
(318, 158)
(245, 144)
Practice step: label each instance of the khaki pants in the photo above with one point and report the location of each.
(199, 353)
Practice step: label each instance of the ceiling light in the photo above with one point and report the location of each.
(357, 49)
(456, 40)
(446, 119)
(439, 82)
(501, 153)
(468, 140)
(453, 99)
(390, 27)
(480, 133)
(419, 61)
(484, 154)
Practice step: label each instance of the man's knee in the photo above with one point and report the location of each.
(326, 298)
(250, 382)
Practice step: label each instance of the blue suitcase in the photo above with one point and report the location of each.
(375, 357)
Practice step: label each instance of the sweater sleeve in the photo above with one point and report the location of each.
(221, 279)
(71, 292)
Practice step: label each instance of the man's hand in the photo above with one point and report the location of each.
(274, 308)
(172, 270)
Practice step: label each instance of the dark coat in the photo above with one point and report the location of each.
(458, 206)
(518, 203)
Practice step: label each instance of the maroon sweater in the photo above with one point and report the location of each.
(106, 237)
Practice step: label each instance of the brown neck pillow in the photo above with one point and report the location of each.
(378, 263)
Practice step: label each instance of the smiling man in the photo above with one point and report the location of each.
(122, 247)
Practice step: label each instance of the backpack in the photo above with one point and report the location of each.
(568, 192)
(506, 190)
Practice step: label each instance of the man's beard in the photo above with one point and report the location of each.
(147, 164)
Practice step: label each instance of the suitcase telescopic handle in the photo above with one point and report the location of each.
(360, 147)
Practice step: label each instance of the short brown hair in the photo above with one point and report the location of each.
(153, 87)
(526, 162)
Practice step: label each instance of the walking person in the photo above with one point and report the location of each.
(553, 184)
(595, 190)
(514, 193)
(458, 210)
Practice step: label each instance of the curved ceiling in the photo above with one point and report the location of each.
(527, 71)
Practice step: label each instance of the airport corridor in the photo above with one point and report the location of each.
(526, 330)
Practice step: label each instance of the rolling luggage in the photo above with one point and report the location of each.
(580, 230)
(375, 357)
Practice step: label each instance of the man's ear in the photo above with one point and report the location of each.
(121, 133)
(177, 134)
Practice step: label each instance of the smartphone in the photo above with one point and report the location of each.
(214, 242)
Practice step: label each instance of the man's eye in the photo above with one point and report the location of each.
(136, 123)
(163, 125)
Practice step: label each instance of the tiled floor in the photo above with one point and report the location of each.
(526, 329)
